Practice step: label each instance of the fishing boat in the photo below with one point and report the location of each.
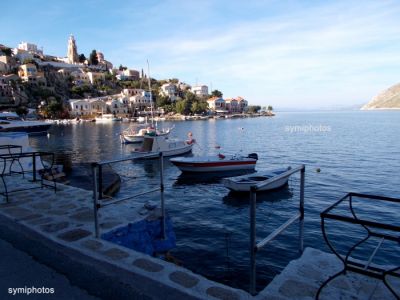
(11, 122)
(262, 180)
(136, 134)
(216, 163)
(153, 145)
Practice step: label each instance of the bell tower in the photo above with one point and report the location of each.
(72, 54)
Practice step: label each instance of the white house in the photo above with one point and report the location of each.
(200, 90)
(80, 107)
(131, 92)
(30, 48)
(128, 75)
(243, 104)
(140, 101)
(170, 90)
(232, 105)
(80, 77)
(216, 104)
(118, 106)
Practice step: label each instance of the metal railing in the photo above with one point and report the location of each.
(254, 246)
(97, 169)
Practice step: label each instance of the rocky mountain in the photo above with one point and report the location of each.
(388, 99)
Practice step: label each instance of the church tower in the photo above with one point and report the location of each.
(72, 54)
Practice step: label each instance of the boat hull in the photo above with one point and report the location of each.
(244, 183)
(208, 165)
(131, 139)
(166, 153)
(30, 129)
(135, 139)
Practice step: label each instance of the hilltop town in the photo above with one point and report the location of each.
(80, 86)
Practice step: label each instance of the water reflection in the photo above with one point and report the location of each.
(242, 199)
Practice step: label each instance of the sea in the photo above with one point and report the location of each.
(343, 151)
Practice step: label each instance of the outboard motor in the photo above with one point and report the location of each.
(253, 155)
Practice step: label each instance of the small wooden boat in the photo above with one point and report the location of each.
(215, 163)
(153, 145)
(245, 182)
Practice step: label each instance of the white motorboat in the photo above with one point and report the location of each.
(11, 122)
(153, 145)
(216, 163)
(136, 134)
(245, 182)
(106, 118)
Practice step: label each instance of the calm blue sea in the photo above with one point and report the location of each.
(355, 151)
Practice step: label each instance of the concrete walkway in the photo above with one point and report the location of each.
(19, 270)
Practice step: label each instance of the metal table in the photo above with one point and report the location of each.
(14, 155)
(388, 231)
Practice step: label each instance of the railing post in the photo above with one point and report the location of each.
(161, 157)
(253, 200)
(301, 228)
(100, 176)
(33, 166)
(302, 177)
(95, 200)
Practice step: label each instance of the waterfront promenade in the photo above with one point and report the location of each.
(57, 230)
(19, 270)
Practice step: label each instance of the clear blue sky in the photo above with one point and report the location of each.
(306, 54)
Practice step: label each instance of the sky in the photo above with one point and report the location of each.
(288, 54)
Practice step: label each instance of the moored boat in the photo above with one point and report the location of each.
(262, 180)
(216, 163)
(11, 122)
(137, 134)
(106, 118)
(153, 145)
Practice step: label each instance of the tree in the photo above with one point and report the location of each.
(54, 108)
(82, 58)
(182, 107)
(93, 58)
(270, 108)
(253, 108)
(6, 51)
(216, 93)
(122, 68)
(163, 101)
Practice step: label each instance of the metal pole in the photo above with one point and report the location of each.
(301, 228)
(34, 167)
(95, 198)
(302, 177)
(253, 199)
(100, 181)
(161, 157)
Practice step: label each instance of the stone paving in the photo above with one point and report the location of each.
(66, 219)
(19, 270)
(302, 278)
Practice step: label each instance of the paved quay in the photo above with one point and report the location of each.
(57, 230)
(19, 270)
(302, 278)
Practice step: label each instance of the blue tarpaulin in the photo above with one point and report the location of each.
(144, 236)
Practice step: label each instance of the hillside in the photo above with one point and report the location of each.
(388, 99)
